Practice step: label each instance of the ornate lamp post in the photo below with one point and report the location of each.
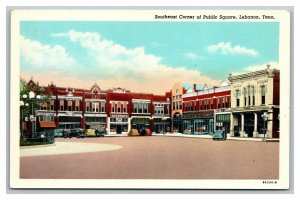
(31, 97)
(22, 106)
(265, 118)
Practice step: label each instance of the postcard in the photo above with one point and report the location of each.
(150, 99)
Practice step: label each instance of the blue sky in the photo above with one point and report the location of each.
(127, 53)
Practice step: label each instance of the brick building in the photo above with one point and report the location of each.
(115, 110)
(207, 109)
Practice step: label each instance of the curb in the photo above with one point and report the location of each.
(210, 137)
(37, 146)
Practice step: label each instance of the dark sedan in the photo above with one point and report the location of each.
(76, 132)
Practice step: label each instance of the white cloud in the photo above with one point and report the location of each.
(37, 56)
(113, 65)
(227, 49)
(253, 68)
(192, 56)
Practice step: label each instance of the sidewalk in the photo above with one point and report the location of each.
(210, 137)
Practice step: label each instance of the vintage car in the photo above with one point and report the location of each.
(90, 132)
(100, 133)
(76, 132)
(219, 135)
(146, 132)
(133, 132)
(94, 133)
(58, 132)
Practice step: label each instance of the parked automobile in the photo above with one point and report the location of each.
(219, 135)
(66, 133)
(76, 132)
(58, 132)
(146, 132)
(100, 133)
(90, 132)
(94, 133)
(133, 132)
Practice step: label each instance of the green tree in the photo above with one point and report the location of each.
(30, 105)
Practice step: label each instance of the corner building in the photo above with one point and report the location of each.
(252, 95)
(206, 110)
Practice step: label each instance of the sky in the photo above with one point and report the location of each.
(144, 57)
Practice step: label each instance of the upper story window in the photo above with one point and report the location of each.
(113, 107)
(119, 107)
(61, 105)
(145, 108)
(263, 95)
(77, 105)
(51, 104)
(141, 107)
(125, 108)
(102, 106)
(245, 97)
(253, 95)
(43, 106)
(249, 95)
(135, 107)
(87, 106)
(70, 105)
(159, 109)
(237, 96)
(95, 107)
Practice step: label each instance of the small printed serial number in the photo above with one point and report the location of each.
(269, 182)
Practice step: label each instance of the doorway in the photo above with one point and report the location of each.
(119, 129)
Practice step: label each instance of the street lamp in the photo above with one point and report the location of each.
(265, 118)
(22, 106)
(31, 97)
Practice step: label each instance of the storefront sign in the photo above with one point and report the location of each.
(115, 115)
(32, 118)
(237, 85)
(262, 81)
(198, 115)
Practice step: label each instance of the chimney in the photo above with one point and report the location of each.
(195, 87)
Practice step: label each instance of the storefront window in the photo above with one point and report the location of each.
(113, 128)
(46, 118)
(187, 126)
(201, 126)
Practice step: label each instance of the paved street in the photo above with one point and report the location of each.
(151, 158)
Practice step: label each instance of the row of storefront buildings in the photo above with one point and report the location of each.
(235, 106)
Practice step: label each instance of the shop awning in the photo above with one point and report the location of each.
(47, 124)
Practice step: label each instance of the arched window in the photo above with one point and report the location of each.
(263, 94)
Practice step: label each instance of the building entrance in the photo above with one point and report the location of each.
(119, 129)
